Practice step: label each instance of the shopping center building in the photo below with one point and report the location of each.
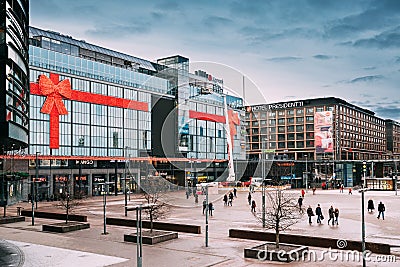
(328, 135)
(97, 114)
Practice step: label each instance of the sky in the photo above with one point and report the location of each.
(287, 49)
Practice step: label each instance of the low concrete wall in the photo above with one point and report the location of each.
(11, 219)
(309, 241)
(62, 228)
(55, 216)
(176, 227)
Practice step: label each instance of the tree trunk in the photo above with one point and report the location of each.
(67, 208)
(277, 238)
(151, 222)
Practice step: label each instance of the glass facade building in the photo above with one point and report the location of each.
(91, 107)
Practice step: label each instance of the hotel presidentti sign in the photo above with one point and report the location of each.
(284, 105)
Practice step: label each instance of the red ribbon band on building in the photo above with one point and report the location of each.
(55, 91)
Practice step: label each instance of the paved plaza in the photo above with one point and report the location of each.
(91, 248)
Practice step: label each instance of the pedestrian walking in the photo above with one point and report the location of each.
(302, 193)
(310, 213)
(204, 205)
(230, 199)
(234, 192)
(381, 209)
(225, 200)
(331, 212)
(196, 198)
(336, 212)
(370, 205)
(350, 193)
(341, 188)
(210, 208)
(187, 194)
(300, 201)
(318, 212)
(249, 198)
(313, 190)
(253, 206)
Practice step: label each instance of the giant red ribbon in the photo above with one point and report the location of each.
(233, 119)
(55, 91)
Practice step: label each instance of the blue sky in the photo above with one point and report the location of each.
(289, 49)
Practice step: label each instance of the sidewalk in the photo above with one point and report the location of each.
(90, 248)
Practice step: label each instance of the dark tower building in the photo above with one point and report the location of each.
(14, 74)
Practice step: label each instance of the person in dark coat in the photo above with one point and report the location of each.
(204, 205)
(310, 213)
(371, 205)
(225, 200)
(234, 191)
(230, 199)
(331, 212)
(249, 198)
(210, 208)
(381, 209)
(253, 206)
(318, 212)
(300, 201)
(336, 212)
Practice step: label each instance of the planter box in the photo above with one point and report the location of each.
(65, 227)
(154, 238)
(174, 227)
(11, 219)
(269, 252)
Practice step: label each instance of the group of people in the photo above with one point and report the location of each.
(210, 207)
(228, 199)
(332, 212)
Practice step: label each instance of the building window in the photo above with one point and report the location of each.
(201, 131)
(300, 119)
(299, 111)
(290, 112)
(281, 121)
(319, 109)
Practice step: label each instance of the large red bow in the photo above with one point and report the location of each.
(54, 93)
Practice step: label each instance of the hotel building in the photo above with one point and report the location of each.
(330, 134)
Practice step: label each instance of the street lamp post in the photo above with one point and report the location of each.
(306, 174)
(395, 177)
(262, 185)
(362, 191)
(125, 193)
(104, 205)
(32, 187)
(206, 215)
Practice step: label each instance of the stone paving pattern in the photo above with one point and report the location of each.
(189, 249)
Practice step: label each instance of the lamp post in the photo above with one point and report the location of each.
(32, 187)
(362, 191)
(206, 215)
(306, 174)
(262, 185)
(364, 174)
(125, 191)
(395, 177)
(105, 185)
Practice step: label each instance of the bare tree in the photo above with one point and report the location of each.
(155, 189)
(68, 204)
(281, 211)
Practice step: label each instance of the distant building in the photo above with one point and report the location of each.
(325, 132)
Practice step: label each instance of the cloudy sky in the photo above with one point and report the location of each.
(289, 49)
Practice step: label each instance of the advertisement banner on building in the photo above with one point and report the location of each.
(323, 129)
